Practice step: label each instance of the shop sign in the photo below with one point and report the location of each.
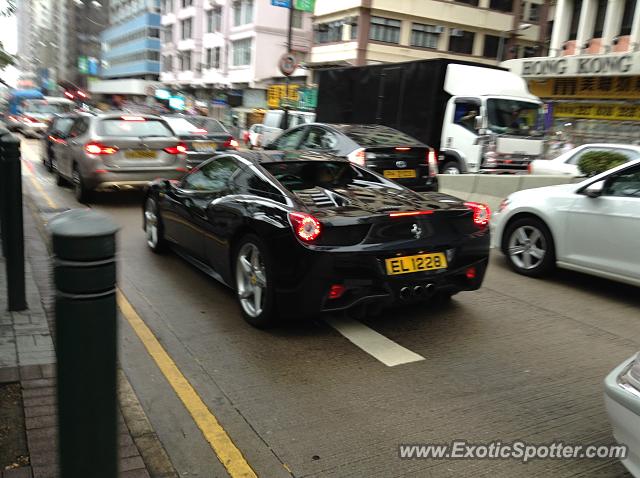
(277, 93)
(308, 98)
(604, 87)
(616, 112)
(305, 5)
(577, 65)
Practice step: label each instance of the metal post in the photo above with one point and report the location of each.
(286, 80)
(85, 277)
(13, 232)
(3, 200)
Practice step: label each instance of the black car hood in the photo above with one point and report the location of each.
(355, 200)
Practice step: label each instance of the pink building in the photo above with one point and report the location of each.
(211, 46)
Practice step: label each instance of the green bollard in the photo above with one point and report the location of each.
(85, 279)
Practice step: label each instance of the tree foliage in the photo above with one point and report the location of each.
(596, 162)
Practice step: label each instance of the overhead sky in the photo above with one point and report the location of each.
(9, 39)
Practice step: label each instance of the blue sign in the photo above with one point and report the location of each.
(281, 3)
(177, 102)
(92, 68)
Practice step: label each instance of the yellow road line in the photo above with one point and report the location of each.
(36, 184)
(228, 454)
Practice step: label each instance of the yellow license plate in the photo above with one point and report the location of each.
(417, 263)
(399, 173)
(205, 147)
(140, 154)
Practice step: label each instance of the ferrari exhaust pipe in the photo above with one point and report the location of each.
(405, 292)
(418, 290)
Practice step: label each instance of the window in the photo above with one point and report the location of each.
(575, 19)
(288, 141)
(354, 30)
(465, 114)
(534, 12)
(167, 6)
(214, 20)
(213, 176)
(167, 63)
(123, 128)
(301, 175)
(61, 126)
(501, 5)
(241, 52)
(491, 46)
(185, 60)
(329, 32)
(385, 29)
(425, 36)
(242, 12)
(185, 28)
(627, 17)
(469, 2)
(213, 57)
(298, 16)
(247, 181)
(187, 3)
(625, 184)
(168, 34)
(600, 13)
(461, 41)
(319, 139)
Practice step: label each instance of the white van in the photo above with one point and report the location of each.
(273, 123)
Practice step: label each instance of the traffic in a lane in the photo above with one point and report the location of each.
(516, 360)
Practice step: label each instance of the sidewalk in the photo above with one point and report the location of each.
(28, 414)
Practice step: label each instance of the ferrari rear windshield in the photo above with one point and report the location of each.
(301, 175)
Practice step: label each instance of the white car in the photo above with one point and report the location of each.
(253, 137)
(591, 227)
(622, 400)
(567, 163)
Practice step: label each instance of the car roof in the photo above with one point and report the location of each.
(610, 145)
(261, 157)
(362, 132)
(120, 114)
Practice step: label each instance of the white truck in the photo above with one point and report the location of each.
(479, 118)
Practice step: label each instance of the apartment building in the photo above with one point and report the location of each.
(228, 50)
(591, 79)
(358, 32)
(39, 34)
(131, 44)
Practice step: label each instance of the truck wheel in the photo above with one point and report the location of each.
(451, 167)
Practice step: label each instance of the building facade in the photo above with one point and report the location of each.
(228, 50)
(40, 30)
(131, 44)
(358, 32)
(591, 79)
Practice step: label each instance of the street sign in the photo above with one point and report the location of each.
(287, 64)
(83, 65)
(304, 5)
(281, 3)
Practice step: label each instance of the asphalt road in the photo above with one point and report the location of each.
(521, 359)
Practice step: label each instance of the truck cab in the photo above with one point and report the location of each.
(500, 134)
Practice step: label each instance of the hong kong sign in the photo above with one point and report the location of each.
(578, 65)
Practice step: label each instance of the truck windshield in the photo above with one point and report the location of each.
(514, 117)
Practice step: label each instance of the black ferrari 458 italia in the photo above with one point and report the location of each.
(297, 234)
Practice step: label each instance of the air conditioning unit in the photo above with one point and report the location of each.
(456, 32)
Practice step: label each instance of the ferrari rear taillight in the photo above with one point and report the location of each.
(177, 149)
(432, 162)
(481, 213)
(99, 148)
(306, 227)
